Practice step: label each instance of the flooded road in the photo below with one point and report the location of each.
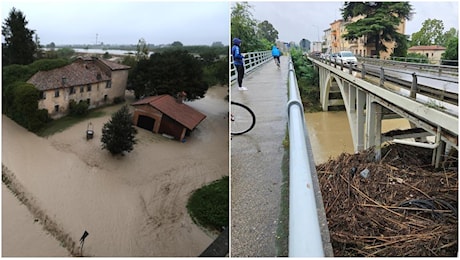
(330, 133)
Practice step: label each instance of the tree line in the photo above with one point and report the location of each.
(255, 35)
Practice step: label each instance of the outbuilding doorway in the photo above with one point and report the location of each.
(145, 122)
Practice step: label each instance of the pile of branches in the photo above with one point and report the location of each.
(399, 206)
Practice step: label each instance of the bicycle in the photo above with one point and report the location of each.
(242, 118)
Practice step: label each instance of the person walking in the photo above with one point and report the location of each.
(276, 55)
(238, 62)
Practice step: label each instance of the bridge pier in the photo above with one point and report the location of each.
(374, 126)
(365, 105)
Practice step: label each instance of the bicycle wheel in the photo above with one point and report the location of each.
(242, 119)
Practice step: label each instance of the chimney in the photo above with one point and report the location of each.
(64, 80)
(181, 97)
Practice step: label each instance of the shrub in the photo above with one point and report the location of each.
(79, 109)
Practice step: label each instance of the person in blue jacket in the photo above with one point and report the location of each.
(276, 55)
(238, 62)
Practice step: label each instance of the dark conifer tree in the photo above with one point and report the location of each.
(19, 46)
(118, 134)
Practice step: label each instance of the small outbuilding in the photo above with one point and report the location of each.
(165, 114)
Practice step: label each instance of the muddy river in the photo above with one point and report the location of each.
(330, 133)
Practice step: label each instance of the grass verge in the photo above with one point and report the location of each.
(65, 122)
(282, 233)
(209, 206)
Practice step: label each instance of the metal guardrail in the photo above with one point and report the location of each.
(252, 60)
(450, 96)
(304, 229)
(405, 62)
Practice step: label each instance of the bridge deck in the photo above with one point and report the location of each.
(256, 161)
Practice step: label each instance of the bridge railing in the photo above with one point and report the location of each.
(252, 60)
(441, 94)
(424, 67)
(305, 239)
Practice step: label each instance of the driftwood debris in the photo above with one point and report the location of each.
(401, 206)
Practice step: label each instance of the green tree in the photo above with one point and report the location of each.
(24, 106)
(51, 46)
(118, 135)
(431, 33)
(19, 46)
(216, 72)
(169, 72)
(379, 23)
(401, 47)
(243, 26)
(177, 44)
(265, 30)
(217, 44)
(450, 56)
(65, 53)
(142, 50)
(451, 33)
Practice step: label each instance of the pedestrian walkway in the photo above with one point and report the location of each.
(256, 161)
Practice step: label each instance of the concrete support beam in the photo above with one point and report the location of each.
(374, 126)
(360, 119)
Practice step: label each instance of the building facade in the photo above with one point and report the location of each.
(432, 52)
(362, 46)
(89, 79)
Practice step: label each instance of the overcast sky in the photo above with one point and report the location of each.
(190, 22)
(124, 22)
(308, 19)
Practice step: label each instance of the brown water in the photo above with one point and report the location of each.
(132, 205)
(330, 133)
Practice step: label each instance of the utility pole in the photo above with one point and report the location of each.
(96, 38)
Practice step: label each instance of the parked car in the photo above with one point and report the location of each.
(315, 54)
(347, 58)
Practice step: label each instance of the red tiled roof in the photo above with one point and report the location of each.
(113, 65)
(182, 113)
(427, 48)
(75, 74)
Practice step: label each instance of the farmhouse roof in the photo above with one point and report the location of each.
(427, 48)
(83, 71)
(182, 113)
(113, 65)
(74, 74)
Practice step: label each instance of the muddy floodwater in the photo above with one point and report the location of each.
(330, 133)
(132, 205)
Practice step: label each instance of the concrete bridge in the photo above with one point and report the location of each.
(369, 100)
(257, 157)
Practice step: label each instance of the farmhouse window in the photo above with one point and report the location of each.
(89, 87)
(56, 93)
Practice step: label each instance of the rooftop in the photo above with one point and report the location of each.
(182, 113)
